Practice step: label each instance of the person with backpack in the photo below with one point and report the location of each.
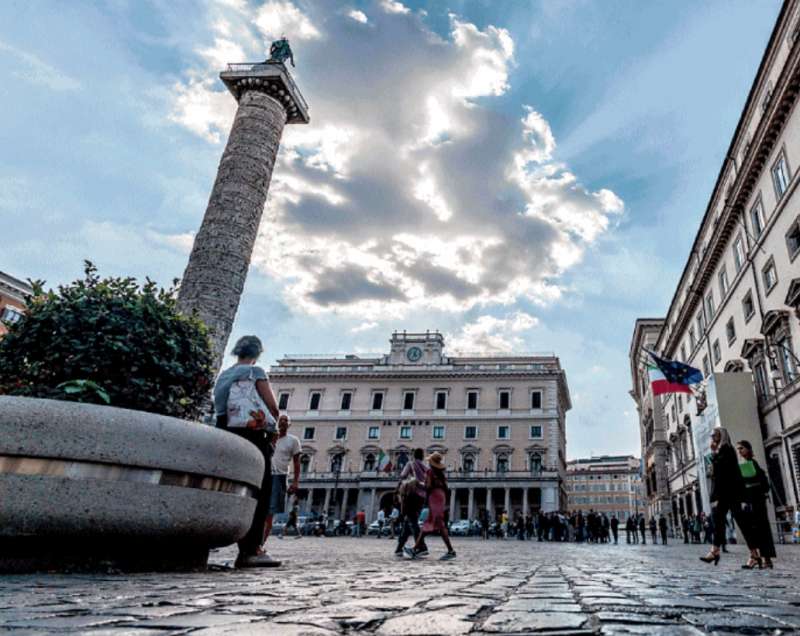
(436, 486)
(245, 406)
(412, 499)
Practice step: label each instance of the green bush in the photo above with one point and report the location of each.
(109, 341)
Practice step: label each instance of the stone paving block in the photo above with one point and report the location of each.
(444, 622)
(726, 620)
(511, 622)
(538, 605)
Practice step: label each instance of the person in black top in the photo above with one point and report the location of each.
(641, 529)
(614, 527)
(727, 493)
(756, 489)
(662, 527)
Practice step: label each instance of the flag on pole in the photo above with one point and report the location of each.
(671, 376)
(384, 463)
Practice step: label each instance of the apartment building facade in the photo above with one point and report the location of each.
(610, 483)
(499, 421)
(736, 308)
(13, 293)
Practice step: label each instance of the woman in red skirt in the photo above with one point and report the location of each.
(436, 485)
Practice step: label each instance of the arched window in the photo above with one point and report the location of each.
(502, 464)
(535, 463)
(468, 463)
(369, 462)
(402, 460)
(337, 461)
(305, 463)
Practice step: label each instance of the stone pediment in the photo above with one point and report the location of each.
(469, 448)
(370, 448)
(503, 448)
(751, 347)
(773, 319)
(734, 366)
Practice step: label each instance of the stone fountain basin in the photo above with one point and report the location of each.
(85, 486)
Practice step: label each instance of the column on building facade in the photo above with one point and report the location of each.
(525, 501)
(309, 501)
(326, 505)
(345, 492)
(507, 502)
(471, 504)
(453, 513)
(489, 510)
(371, 509)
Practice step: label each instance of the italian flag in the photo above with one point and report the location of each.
(384, 464)
(661, 385)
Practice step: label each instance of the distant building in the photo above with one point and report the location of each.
(499, 420)
(610, 483)
(653, 430)
(13, 293)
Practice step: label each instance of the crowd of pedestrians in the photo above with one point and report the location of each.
(245, 405)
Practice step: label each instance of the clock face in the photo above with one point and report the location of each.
(414, 354)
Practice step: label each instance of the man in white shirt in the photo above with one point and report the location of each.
(287, 450)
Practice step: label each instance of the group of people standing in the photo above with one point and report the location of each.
(740, 488)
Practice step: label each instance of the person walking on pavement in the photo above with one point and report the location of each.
(662, 526)
(653, 530)
(257, 431)
(412, 499)
(614, 527)
(381, 522)
(642, 530)
(756, 490)
(436, 486)
(629, 529)
(727, 495)
(685, 528)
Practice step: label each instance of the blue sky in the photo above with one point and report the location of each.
(522, 176)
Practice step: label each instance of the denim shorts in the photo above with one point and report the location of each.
(277, 500)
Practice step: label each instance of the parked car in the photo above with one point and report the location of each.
(373, 529)
(460, 528)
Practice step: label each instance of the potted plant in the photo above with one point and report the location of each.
(101, 384)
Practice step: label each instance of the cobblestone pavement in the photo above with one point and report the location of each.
(331, 586)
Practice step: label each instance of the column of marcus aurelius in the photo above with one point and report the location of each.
(214, 278)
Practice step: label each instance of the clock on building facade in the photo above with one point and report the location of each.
(414, 354)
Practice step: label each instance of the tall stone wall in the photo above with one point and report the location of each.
(217, 269)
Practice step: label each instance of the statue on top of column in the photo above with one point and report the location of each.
(280, 51)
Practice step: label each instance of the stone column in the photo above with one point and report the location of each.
(525, 508)
(214, 278)
(471, 504)
(371, 510)
(345, 492)
(507, 503)
(327, 503)
(310, 500)
(453, 516)
(489, 510)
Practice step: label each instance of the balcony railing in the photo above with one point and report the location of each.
(255, 67)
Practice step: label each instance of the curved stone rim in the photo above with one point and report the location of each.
(95, 434)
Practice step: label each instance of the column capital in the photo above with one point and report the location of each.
(270, 78)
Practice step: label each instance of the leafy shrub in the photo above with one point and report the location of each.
(109, 341)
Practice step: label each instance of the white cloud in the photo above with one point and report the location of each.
(34, 70)
(364, 326)
(406, 192)
(358, 16)
(489, 334)
(392, 6)
(277, 19)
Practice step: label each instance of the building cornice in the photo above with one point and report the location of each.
(746, 177)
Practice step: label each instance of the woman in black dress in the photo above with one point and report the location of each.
(756, 489)
(727, 493)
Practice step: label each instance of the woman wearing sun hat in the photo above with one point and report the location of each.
(436, 485)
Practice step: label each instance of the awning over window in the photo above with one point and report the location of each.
(773, 319)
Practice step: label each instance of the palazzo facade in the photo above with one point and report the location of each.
(499, 421)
